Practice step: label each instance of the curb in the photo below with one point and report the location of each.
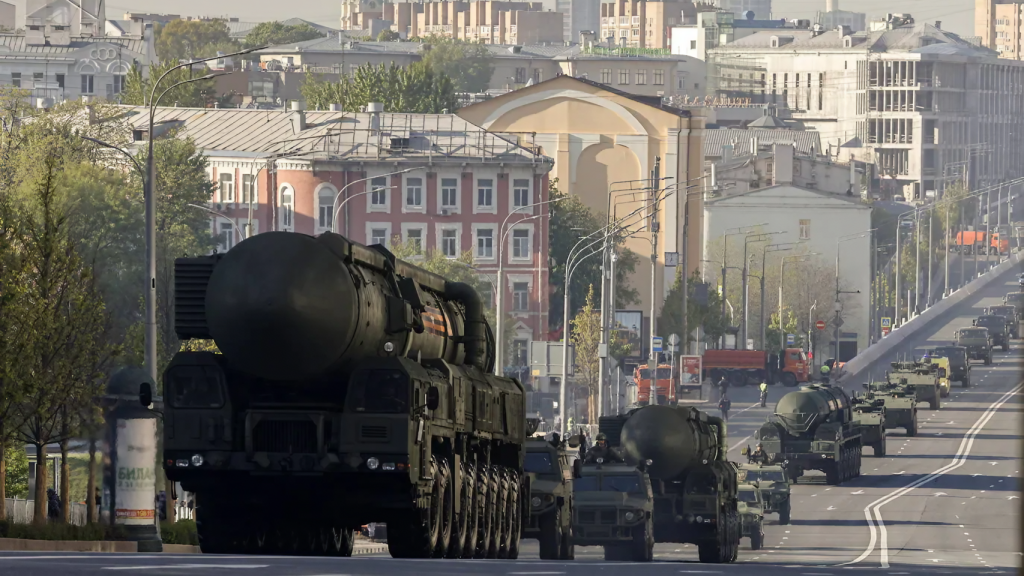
(370, 549)
(19, 545)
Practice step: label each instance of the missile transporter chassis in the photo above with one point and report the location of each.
(870, 415)
(551, 499)
(354, 388)
(693, 484)
(814, 429)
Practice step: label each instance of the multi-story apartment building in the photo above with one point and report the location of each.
(8, 19)
(579, 16)
(921, 104)
(716, 28)
(485, 21)
(463, 183)
(642, 23)
(999, 25)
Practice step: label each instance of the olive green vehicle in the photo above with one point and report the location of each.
(1009, 313)
(997, 329)
(900, 405)
(977, 341)
(1016, 299)
(614, 508)
(751, 508)
(551, 469)
(920, 378)
(959, 366)
(869, 414)
(774, 485)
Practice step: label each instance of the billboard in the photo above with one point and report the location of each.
(689, 372)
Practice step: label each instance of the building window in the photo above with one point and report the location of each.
(641, 77)
(414, 192)
(805, 229)
(37, 78)
(449, 243)
(247, 188)
(60, 81)
(325, 214)
(87, 83)
(693, 44)
(449, 193)
(379, 236)
(414, 237)
(379, 194)
(227, 235)
(485, 243)
(520, 193)
(16, 79)
(538, 75)
(520, 76)
(519, 348)
(119, 80)
(659, 77)
(606, 75)
(521, 244)
(623, 76)
(287, 207)
(485, 193)
(520, 296)
(227, 187)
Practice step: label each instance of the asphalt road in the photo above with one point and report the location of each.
(943, 502)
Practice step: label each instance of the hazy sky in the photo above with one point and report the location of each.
(956, 15)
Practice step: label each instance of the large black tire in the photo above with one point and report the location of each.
(415, 534)
(988, 360)
(757, 537)
(965, 383)
(936, 402)
(551, 534)
(461, 521)
(568, 550)
(1006, 346)
(485, 525)
(447, 510)
(617, 553)
(517, 519)
(504, 539)
(912, 429)
(879, 447)
(784, 512)
(497, 533)
(214, 525)
(832, 473)
(642, 548)
(789, 379)
(473, 514)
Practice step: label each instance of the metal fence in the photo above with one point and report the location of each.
(21, 511)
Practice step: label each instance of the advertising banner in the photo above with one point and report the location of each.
(136, 471)
(689, 372)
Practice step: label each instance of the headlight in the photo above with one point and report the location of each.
(388, 466)
(181, 463)
(372, 463)
(535, 501)
(700, 519)
(197, 459)
(630, 516)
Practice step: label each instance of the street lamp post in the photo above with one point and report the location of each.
(335, 208)
(221, 214)
(782, 247)
(740, 231)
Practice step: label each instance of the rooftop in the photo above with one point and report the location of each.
(334, 136)
(804, 140)
(239, 30)
(14, 44)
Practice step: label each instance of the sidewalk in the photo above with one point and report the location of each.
(362, 546)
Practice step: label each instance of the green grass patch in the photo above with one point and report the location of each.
(88, 533)
(180, 532)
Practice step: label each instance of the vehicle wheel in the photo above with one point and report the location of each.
(757, 537)
(784, 512)
(447, 510)
(460, 521)
(416, 535)
(507, 514)
(988, 360)
(879, 447)
(516, 507)
(912, 429)
(1006, 346)
(472, 513)
(500, 487)
(643, 544)
(965, 383)
(550, 534)
(789, 379)
(944, 393)
(832, 473)
(935, 403)
(568, 549)
(488, 503)
(213, 525)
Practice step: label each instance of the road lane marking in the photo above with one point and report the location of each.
(880, 535)
(187, 566)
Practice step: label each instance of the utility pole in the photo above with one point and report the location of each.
(945, 285)
(931, 254)
(917, 265)
(614, 256)
(602, 355)
(653, 360)
(988, 228)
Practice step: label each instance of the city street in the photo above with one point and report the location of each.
(943, 502)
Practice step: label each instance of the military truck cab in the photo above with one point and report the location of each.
(959, 366)
(977, 341)
(614, 508)
(1009, 313)
(551, 470)
(996, 329)
(751, 509)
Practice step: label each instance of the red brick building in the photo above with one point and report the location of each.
(462, 184)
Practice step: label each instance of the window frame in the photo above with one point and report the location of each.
(513, 199)
(408, 187)
(407, 228)
(479, 208)
(287, 209)
(477, 256)
(371, 227)
(324, 191)
(376, 188)
(227, 196)
(512, 243)
(516, 296)
(804, 227)
(441, 188)
(88, 83)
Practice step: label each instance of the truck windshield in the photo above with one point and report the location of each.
(995, 322)
(748, 496)
(765, 476)
(1003, 310)
(586, 484)
(972, 333)
(379, 392)
(663, 374)
(621, 483)
(538, 463)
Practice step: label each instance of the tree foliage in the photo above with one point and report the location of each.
(470, 66)
(276, 33)
(137, 89)
(708, 316)
(193, 39)
(388, 36)
(16, 466)
(586, 337)
(414, 89)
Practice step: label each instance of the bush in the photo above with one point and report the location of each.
(55, 531)
(180, 532)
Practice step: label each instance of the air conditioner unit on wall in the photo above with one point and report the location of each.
(218, 206)
(446, 212)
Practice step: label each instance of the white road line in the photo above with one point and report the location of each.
(186, 566)
(880, 535)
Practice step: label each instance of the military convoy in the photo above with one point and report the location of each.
(1009, 313)
(997, 330)
(614, 508)
(814, 429)
(551, 470)
(352, 386)
(976, 341)
(751, 509)
(870, 415)
(959, 366)
(774, 486)
(920, 378)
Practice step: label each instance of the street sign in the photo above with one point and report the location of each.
(820, 324)
(837, 322)
(671, 258)
(790, 339)
(656, 343)
(885, 331)
(674, 339)
(886, 322)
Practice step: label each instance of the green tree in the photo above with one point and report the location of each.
(276, 34)
(708, 317)
(388, 36)
(193, 39)
(414, 89)
(16, 463)
(194, 94)
(586, 337)
(470, 66)
(775, 338)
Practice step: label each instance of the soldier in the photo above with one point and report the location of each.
(724, 405)
(602, 450)
(759, 456)
(825, 369)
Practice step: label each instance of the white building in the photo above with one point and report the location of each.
(796, 214)
(8, 16)
(53, 19)
(920, 103)
(855, 21)
(760, 8)
(716, 28)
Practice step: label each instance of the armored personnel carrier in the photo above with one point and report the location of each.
(614, 508)
(774, 485)
(551, 470)
(920, 378)
(900, 405)
(814, 429)
(353, 387)
(751, 508)
(869, 414)
(694, 485)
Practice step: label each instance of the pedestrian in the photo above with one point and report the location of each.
(724, 405)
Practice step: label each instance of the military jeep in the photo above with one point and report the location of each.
(751, 509)
(551, 469)
(774, 484)
(613, 508)
(997, 329)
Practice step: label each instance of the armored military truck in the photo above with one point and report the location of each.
(551, 471)
(1009, 313)
(921, 378)
(614, 508)
(814, 429)
(940, 364)
(900, 405)
(996, 329)
(774, 485)
(869, 414)
(959, 366)
(751, 509)
(977, 342)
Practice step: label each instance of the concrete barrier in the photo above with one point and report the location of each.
(869, 356)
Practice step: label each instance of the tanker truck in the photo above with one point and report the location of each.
(814, 428)
(683, 451)
(351, 387)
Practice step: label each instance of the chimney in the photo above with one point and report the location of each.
(726, 152)
(938, 24)
(783, 163)
(374, 109)
(831, 5)
(297, 117)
